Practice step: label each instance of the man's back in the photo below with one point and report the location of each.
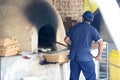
(81, 36)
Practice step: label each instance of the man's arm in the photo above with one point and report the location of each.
(100, 50)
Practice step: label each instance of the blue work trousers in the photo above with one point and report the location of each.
(87, 67)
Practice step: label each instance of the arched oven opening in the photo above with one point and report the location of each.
(46, 38)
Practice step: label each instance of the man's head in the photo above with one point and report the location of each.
(88, 16)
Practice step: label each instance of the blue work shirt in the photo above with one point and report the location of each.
(81, 36)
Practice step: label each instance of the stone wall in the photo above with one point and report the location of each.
(69, 8)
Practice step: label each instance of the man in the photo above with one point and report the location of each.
(80, 38)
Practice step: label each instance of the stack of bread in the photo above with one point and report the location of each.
(9, 47)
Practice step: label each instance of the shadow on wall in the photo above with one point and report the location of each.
(100, 25)
(42, 15)
(118, 1)
(98, 20)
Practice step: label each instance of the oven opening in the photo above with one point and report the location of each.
(46, 38)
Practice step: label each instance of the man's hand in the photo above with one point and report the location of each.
(98, 58)
(67, 40)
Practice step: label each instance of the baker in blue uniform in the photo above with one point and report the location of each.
(80, 38)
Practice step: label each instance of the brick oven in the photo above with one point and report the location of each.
(36, 23)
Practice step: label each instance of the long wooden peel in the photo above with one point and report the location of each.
(107, 62)
(61, 44)
(55, 41)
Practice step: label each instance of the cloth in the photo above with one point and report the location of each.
(81, 36)
(87, 67)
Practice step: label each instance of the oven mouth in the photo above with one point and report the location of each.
(46, 38)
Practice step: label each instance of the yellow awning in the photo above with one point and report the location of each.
(90, 5)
